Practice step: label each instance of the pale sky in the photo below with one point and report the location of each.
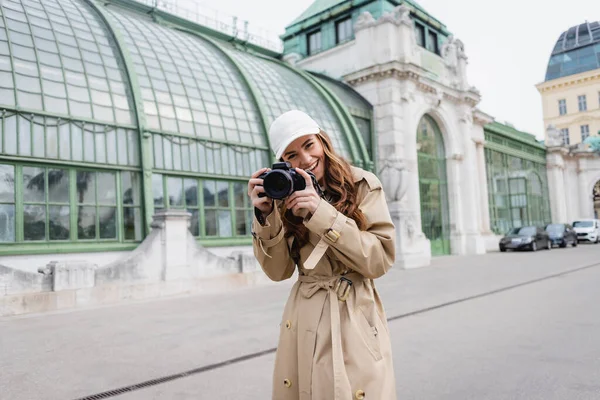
(508, 43)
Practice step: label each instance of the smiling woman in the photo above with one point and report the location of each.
(339, 240)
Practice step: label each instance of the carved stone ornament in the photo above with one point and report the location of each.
(364, 20)
(402, 15)
(450, 53)
(394, 177)
(467, 117)
(434, 99)
(554, 138)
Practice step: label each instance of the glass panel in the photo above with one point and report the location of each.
(86, 187)
(225, 223)
(209, 193)
(86, 222)
(191, 192)
(175, 191)
(58, 186)
(107, 188)
(77, 142)
(122, 146)
(158, 190)
(108, 222)
(131, 187)
(132, 223)
(7, 183)
(240, 221)
(24, 137)
(210, 222)
(34, 222)
(65, 141)
(52, 141)
(34, 185)
(58, 222)
(194, 222)
(240, 193)
(223, 193)
(7, 223)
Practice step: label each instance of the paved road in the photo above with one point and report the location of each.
(538, 339)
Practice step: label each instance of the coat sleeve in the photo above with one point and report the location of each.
(270, 247)
(370, 252)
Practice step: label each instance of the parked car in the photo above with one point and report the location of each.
(562, 235)
(527, 237)
(587, 230)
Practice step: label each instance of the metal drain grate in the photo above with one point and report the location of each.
(164, 379)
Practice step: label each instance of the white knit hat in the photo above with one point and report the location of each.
(288, 127)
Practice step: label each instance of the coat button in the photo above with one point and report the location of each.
(360, 394)
(287, 383)
(288, 324)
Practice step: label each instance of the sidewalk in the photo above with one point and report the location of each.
(83, 352)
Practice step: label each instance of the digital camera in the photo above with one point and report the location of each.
(283, 180)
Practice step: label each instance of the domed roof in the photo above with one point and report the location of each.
(577, 50)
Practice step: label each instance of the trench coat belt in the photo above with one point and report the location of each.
(338, 289)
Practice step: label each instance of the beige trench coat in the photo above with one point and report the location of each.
(332, 347)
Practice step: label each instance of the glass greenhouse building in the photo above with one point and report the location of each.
(112, 111)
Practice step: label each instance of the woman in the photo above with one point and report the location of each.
(334, 341)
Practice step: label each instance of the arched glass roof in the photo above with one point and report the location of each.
(57, 57)
(67, 64)
(188, 86)
(348, 96)
(282, 90)
(576, 50)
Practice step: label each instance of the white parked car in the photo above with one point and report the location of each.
(587, 230)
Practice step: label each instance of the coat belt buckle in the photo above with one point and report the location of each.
(345, 289)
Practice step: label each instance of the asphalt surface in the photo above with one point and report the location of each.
(498, 326)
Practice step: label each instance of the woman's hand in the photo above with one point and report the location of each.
(255, 186)
(304, 201)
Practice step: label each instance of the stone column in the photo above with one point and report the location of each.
(470, 199)
(586, 204)
(455, 204)
(556, 185)
(174, 243)
(483, 190)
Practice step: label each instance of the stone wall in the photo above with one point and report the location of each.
(168, 262)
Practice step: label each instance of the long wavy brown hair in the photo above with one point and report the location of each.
(340, 188)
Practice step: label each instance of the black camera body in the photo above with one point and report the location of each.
(283, 180)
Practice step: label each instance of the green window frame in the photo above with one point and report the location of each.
(314, 42)
(7, 203)
(220, 208)
(45, 204)
(96, 205)
(517, 192)
(344, 30)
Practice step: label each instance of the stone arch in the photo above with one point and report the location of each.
(443, 122)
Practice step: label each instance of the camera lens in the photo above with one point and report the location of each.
(277, 184)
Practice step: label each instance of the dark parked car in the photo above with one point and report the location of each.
(562, 235)
(527, 237)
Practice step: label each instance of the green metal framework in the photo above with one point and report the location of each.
(518, 191)
(433, 186)
(118, 92)
(516, 177)
(359, 113)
